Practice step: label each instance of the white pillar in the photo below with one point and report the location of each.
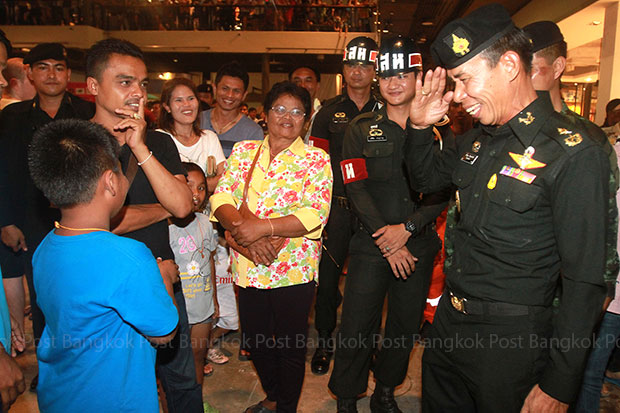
(609, 71)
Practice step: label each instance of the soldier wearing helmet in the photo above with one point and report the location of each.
(394, 245)
(327, 132)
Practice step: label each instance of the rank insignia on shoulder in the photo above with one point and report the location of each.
(340, 117)
(376, 135)
(475, 147)
(573, 140)
(528, 119)
(469, 158)
(563, 131)
(518, 174)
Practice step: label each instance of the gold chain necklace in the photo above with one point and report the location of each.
(226, 127)
(58, 225)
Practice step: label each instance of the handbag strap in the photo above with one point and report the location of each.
(249, 177)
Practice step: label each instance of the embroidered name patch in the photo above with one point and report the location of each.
(518, 174)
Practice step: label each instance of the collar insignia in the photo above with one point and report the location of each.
(573, 140)
(563, 131)
(475, 147)
(460, 45)
(527, 120)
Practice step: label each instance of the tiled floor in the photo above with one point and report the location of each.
(234, 386)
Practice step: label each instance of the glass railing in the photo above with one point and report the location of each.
(278, 15)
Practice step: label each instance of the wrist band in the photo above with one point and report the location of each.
(147, 158)
(271, 225)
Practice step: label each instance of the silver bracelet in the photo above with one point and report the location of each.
(147, 158)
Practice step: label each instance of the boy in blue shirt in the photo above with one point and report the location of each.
(102, 295)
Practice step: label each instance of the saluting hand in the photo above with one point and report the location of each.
(429, 104)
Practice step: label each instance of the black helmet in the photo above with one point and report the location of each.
(398, 55)
(361, 50)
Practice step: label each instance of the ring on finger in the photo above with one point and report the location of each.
(136, 116)
(387, 249)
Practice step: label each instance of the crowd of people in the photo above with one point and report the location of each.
(314, 15)
(144, 241)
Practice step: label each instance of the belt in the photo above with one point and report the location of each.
(479, 307)
(342, 201)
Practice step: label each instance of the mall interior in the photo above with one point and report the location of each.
(192, 39)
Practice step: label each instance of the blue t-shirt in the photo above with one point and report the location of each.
(5, 320)
(245, 129)
(100, 293)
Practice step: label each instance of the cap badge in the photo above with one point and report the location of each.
(460, 45)
(527, 120)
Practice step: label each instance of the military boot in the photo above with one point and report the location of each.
(382, 400)
(347, 405)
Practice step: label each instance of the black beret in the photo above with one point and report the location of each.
(464, 38)
(204, 88)
(543, 34)
(44, 51)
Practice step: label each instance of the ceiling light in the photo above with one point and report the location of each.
(588, 79)
(175, 60)
(385, 31)
(165, 76)
(427, 23)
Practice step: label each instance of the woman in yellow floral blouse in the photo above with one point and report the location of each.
(276, 259)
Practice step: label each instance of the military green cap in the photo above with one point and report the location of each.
(543, 34)
(464, 38)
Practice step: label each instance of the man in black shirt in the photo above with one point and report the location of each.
(394, 246)
(117, 76)
(327, 133)
(25, 214)
(533, 190)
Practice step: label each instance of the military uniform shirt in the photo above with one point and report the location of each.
(385, 197)
(331, 122)
(522, 221)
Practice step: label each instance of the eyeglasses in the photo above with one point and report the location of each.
(281, 111)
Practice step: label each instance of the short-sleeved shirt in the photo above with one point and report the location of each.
(155, 236)
(192, 246)
(208, 145)
(100, 294)
(297, 182)
(245, 129)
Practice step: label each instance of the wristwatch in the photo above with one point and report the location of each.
(410, 226)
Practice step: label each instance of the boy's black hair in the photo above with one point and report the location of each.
(98, 55)
(233, 69)
(190, 166)
(67, 157)
(7, 43)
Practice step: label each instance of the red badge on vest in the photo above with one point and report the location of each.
(319, 143)
(353, 170)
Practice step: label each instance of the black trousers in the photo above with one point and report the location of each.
(369, 280)
(339, 230)
(175, 366)
(482, 363)
(275, 330)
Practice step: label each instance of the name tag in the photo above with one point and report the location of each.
(469, 158)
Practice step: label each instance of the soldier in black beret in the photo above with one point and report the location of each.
(533, 190)
(25, 213)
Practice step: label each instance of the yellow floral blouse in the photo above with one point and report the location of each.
(297, 182)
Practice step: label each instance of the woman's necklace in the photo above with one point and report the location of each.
(58, 225)
(226, 127)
